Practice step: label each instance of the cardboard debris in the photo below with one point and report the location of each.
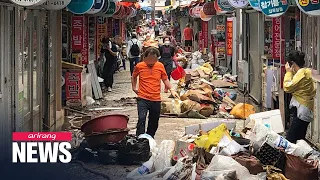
(223, 84)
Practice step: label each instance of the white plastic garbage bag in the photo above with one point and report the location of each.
(229, 147)
(146, 168)
(224, 163)
(303, 149)
(209, 175)
(164, 155)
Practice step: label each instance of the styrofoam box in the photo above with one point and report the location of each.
(271, 118)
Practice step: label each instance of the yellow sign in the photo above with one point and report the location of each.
(304, 2)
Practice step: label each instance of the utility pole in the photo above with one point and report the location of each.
(153, 5)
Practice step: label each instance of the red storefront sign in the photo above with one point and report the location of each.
(229, 36)
(73, 87)
(85, 49)
(276, 38)
(205, 33)
(123, 29)
(282, 46)
(101, 32)
(110, 27)
(77, 33)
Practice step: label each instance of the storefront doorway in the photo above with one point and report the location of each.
(34, 70)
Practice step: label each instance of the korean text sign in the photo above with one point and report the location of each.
(85, 49)
(205, 33)
(73, 86)
(274, 8)
(77, 33)
(101, 32)
(276, 38)
(229, 36)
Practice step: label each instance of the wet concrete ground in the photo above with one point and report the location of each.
(123, 96)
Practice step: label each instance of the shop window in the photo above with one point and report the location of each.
(24, 76)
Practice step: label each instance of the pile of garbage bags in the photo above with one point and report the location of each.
(258, 154)
(200, 98)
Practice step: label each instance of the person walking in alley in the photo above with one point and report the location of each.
(150, 73)
(109, 50)
(167, 54)
(298, 81)
(188, 38)
(171, 38)
(156, 30)
(133, 51)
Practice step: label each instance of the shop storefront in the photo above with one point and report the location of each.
(28, 70)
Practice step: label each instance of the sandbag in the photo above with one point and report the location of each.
(188, 105)
(242, 111)
(300, 169)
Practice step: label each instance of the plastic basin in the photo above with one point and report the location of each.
(106, 122)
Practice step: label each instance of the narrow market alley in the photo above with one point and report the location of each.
(160, 89)
(123, 97)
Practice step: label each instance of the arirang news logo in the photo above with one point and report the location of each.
(41, 147)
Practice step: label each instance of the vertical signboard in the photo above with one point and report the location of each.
(276, 37)
(229, 36)
(85, 49)
(205, 33)
(73, 88)
(116, 27)
(201, 45)
(110, 27)
(123, 29)
(77, 33)
(101, 31)
(282, 50)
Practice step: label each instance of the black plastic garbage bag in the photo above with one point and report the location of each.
(108, 153)
(133, 151)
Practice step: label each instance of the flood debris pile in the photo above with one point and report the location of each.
(214, 151)
(206, 93)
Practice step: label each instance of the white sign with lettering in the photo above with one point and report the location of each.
(28, 2)
(56, 4)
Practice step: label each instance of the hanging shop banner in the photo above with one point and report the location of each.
(55, 4)
(110, 27)
(27, 3)
(238, 3)
(276, 37)
(218, 9)
(104, 8)
(85, 49)
(111, 9)
(310, 7)
(77, 33)
(73, 88)
(123, 29)
(229, 36)
(204, 17)
(273, 8)
(196, 11)
(101, 31)
(225, 5)
(255, 4)
(208, 9)
(97, 7)
(80, 6)
(205, 34)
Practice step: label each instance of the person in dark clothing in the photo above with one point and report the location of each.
(109, 49)
(167, 54)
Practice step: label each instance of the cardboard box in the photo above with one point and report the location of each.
(195, 129)
(183, 148)
(270, 118)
